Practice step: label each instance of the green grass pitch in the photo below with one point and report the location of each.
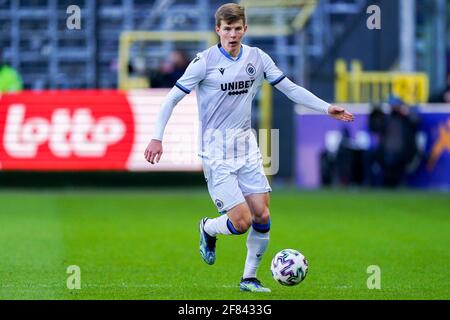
(144, 245)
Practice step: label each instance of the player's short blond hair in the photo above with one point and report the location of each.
(230, 13)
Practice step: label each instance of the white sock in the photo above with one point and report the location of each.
(256, 246)
(217, 226)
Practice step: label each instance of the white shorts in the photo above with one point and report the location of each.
(229, 181)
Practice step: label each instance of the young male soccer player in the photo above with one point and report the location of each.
(227, 77)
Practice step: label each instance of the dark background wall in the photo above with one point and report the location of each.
(376, 49)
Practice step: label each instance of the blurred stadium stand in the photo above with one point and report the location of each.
(382, 49)
(48, 55)
(304, 37)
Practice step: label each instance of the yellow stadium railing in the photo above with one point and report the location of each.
(265, 123)
(359, 86)
(268, 27)
(128, 38)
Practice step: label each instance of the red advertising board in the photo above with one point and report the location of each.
(94, 130)
(61, 130)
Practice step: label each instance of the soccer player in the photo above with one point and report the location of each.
(227, 77)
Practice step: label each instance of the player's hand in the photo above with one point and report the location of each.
(154, 151)
(340, 113)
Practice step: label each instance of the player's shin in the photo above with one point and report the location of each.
(220, 225)
(257, 242)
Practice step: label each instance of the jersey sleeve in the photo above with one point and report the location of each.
(271, 71)
(165, 112)
(195, 72)
(302, 96)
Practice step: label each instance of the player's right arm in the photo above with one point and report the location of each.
(194, 73)
(154, 149)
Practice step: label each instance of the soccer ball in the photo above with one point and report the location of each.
(289, 267)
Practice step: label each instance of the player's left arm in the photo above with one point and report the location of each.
(304, 97)
(299, 94)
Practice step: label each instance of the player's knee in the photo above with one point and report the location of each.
(262, 216)
(243, 224)
(262, 222)
(265, 216)
(241, 218)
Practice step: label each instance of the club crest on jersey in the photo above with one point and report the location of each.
(251, 70)
(219, 204)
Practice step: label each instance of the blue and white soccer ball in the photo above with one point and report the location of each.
(289, 267)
